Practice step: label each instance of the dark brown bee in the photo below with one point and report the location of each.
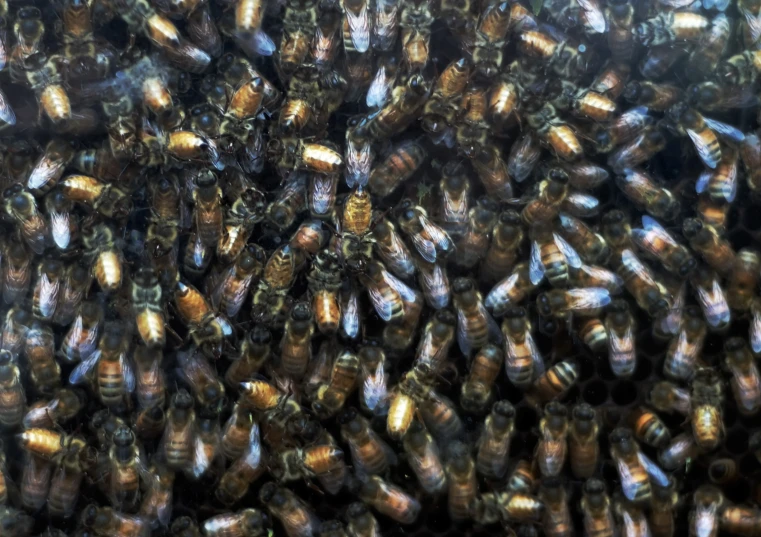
(415, 22)
(556, 520)
(35, 482)
(642, 190)
(671, 26)
(39, 347)
(21, 207)
(244, 470)
(494, 441)
(637, 151)
(201, 377)
(461, 476)
(295, 515)
(596, 507)
(743, 279)
(703, 132)
(388, 499)
(711, 298)
(105, 257)
(477, 388)
(706, 515)
(65, 485)
(369, 452)
(424, 459)
(208, 213)
(555, 132)
(76, 283)
(12, 398)
(103, 520)
(583, 444)
(398, 166)
(245, 522)
(234, 283)
(397, 113)
(255, 350)
(706, 241)
(63, 406)
(745, 381)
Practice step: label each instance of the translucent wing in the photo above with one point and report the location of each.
(704, 148)
(6, 112)
(41, 416)
(502, 289)
(380, 89)
(714, 304)
(60, 229)
(322, 193)
(725, 130)
(438, 235)
(425, 247)
(79, 373)
(128, 372)
(45, 170)
(658, 476)
(407, 294)
(671, 322)
(634, 264)
(360, 28)
(256, 43)
(628, 484)
(593, 15)
(536, 355)
(383, 307)
(755, 331)
(48, 295)
(535, 267)
(623, 344)
(702, 183)
(754, 24)
(358, 161)
(375, 389)
(571, 257)
(253, 453)
(588, 298)
(462, 332)
(201, 462)
(584, 204)
(653, 232)
(350, 314)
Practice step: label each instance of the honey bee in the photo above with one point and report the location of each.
(208, 215)
(35, 482)
(415, 21)
(39, 347)
(104, 521)
(743, 279)
(551, 256)
(745, 381)
(413, 387)
(667, 397)
(294, 514)
(369, 453)
(236, 432)
(639, 280)
(331, 397)
(391, 249)
(235, 282)
(706, 395)
(507, 506)
(201, 377)
(555, 382)
(624, 128)
(373, 394)
(12, 397)
(478, 386)
(146, 301)
(621, 345)
(424, 459)
(585, 302)
(391, 298)
(556, 519)
(594, 334)
(296, 343)
(398, 166)
(177, 441)
(705, 240)
(552, 192)
(595, 504)
(397, 113)
(388, 499)
(711, 298)
(22, 208)
(150, 386)
(324, 284)
(494, 441)
(270, 302)
(313, 461)
(705, 515)
(523, 361)
(711, 47)
(255, 350)
(291, 200)
(676, 454)
(244, 522)
(475, 325)
(638, 151)
(493, 173)
(640, 188)
(631, 518)
(631, 470)
(649, 428)
(507, 236)
(583, 444)
(126, 470)
(739, 519)
(105, 258)
(81, 338)
(429, 240)
(552, 449)
(671, 26)
(555, 132)
(63, 406)
(49, 166)
(524, 156)
(244, 470)
(47, 288)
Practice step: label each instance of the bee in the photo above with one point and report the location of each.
(711, 298)
(282, 211)
(331, 397)
(356, 26)
(631, 518)
(507, 236)
(373, 395)
(415, 22)
(638, 151)
(493, 173)
(706, 395)
(235, 282)
(146, 301)
(313, 461)
(12, 397)
(296, 343)
(475, 325)
(711, 47)
(590, 246)
(594, 334)
(745, 381)
(474, 242)
(555, 132)
(440, 110)
(105, 258)
(555, 382)
(369, 453)
(491, 33)
(552, 192)
(595, 505)
(156, 507)
(556, 519)
(743, 279)
(429, 240)
(35, 482)
(245, 522)
(702, 132)
(524, 155)
(755, 326)
(627, 458)
(640, 282)
(177, 441)
(201, 377)
(583, 444)
(294, 514)
(47, 444)
(105, 521)
(424, 459)
(620, 17)
(478, 386)
(81, 338)
(461, 476)
(640, 188)
(388, 499)
(494, 441)
(507, 506)
(255, 350)
(361, 523)
(667, 397)
(49, 166)
(676, 454)
(437, 338)
(705, 515)
(750, 153)
(620, 326)
(208, 214)
(672, 26)
(235, 434)
(551, 256)
(43, 76)
(412, 388)
(244, 470)
(552, 449)
(397, 113)
(385, 25)
(712, 212)
(63, 406)
(739, 519)
(391, 298)
(720, 184)
(126, 470)
(240, 218)
(22, 208)
(47, 289)
(63, 225)
(39, 347)
(705, 240)
(585, 302)
(649, 428)
(270, 302)
(150, 386)
(624, 128)
(391, 249)
(400, 164)
(523, 361)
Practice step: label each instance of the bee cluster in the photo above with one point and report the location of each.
(262, 263)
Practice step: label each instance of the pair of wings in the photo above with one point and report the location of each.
(536, 267)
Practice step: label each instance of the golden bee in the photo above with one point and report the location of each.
(478, 386)
(552, 449)
(235, 282)
(295, 515)
(295, 346)
(312, 461)
(555, 132)
(412, 388)
(554, 382)
(244, 470)
(494, 441)
(596, 507)
(389, 500)
(369, 452)
(649, 428)
(514, 506)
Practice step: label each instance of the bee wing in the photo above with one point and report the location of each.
(462, 332)
(426, 248)
(588, 298)
(702, 182)
(383, 307)
(725, 130)
(535, 267)
(253, 453)
(436, 279)
(754, 24)
(40, 416)
(60, 229)
(379, 90)
(582, 204)
(728, 189)
(48, 295)
(375, 389)
(535, 355)
(630, 259)
(714, 303)
(6, 112)
(407, 293)
(350, 314)
(256, 43)
(755, 331)
(45, 170)
(571, 257)
(386, 21)
(79, 373)
(593, 16)
(652, 233)
(322, 190)
(359, 159)
(438, 235)
(360, 28)
(622, 344)
(658, 476)
(128, 372)
(200, 462)
(703, 148)
(628, 484)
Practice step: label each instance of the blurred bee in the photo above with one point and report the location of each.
(563, 302)
(595, 505)
(475, 325)
(711, 47)
(638, 151)
(626, 456)
(461, 476)
(554, 132)
(391, 249)
(244, 470)
(415, 22)
(39, 347)
(388, 499)
(493, 173)
(385, 25)
(295, 346)
(81, 339)
(507, 236)
(552, 449)
(743, 279)
(523, 361)
(524, 156)
(566, 58)
(294, 514)
(184, 527)
(490, 37)
(713, 212)
(424, 459)
(672, 26)
(649, 428)
(361, 523)
(705, 515)
(739, 519)
(12, 397)
(400, 164)
(555, 382)
(620, 326)
(474, 243)
(249, 521)
(706, 241)
(126, 470)
(750, 153)
(15, 327)
(494, 441)
(624, 128)
(583, 444)
(201, 377)
(63, 406)
(723, 471)
(331, 397)
(105, 258)
(391, 298)
(21, 208)
(668, 397)
(551, 193)
(676, 454)
(640, 282)
(177, 441)
(313, 461)
(397, 113)
(478, 386)
(745, 381)
(631, 518)
(551, 256)
(702, 132)
(35, 482)
(706, 395)
(640, 188)
(290, 201)
(240, 218)
(720, 184)
(234, 283)
(207, 214)
(434, 283)
(556, 520)
(156, 507)
(63, 224)
(711, 298)
(104, 521)
(620, 17)
(150, 386)
(373, 395)
(369, 453)
(590, 246)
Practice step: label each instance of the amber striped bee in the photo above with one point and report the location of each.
(475, 325)
(596, 507)
(555, 132)
(494, 441)
(12, 397)
(104, 256)
(706, 240)
(649, 428)
(424, 459)
(149, 314)
(478, 386)
(552, 449)
(387, 499)
(626, 455)
(415, 21)
(234, 283)
(523, 361)
(369, 453)
(331, 397)
(399, 165)
(555, 382)
(81, 339)
(743, 279)
(244, 470)
(295, 514)
(296, 352)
